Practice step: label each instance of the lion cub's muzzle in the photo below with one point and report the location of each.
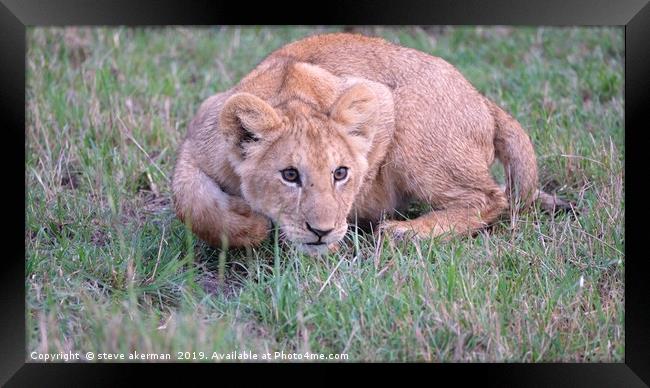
(315, 238)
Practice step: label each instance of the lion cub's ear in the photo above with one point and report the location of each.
(247, 118)
(355, 109)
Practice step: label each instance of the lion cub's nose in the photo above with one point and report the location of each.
(318, 232)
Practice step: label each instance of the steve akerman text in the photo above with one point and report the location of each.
(72, 356)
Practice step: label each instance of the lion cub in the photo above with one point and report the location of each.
(341, 126)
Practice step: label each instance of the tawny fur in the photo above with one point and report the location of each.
(408, 126)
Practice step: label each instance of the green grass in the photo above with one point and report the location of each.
(110, 269)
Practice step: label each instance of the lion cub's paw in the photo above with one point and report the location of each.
(257, 229)
(398, 230)
(251, 228)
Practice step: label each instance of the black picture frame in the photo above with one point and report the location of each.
(634, 15)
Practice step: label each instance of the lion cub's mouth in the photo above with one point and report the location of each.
(313, 249)
(315, 243)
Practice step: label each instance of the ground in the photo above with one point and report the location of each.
(110, 269)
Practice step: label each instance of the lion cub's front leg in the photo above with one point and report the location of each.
(213, 215)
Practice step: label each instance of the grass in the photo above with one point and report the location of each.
(110, 269)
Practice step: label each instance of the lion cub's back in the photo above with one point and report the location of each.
(372, 58)
(369, 57)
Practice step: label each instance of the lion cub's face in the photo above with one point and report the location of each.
(306, 181)
(299, 166)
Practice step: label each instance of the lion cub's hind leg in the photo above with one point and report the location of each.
(469, 211)
(213, 215)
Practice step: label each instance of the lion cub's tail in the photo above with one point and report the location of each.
(515, 150)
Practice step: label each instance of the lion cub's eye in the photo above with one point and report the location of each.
(340, 173)
(291, 175)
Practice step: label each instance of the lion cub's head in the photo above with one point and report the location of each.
(302, 156)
